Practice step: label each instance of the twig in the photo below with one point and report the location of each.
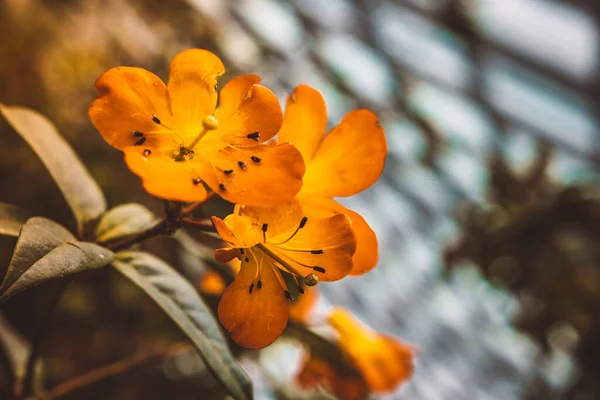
(160, 228)
(29, 380)
(205, 226)
(114, 369)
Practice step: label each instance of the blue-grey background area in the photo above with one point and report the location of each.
(533, 76)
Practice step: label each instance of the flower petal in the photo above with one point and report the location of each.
(226, 254)
(304, 121)
(211, 284)
(254, 316)
(350, 158)
(225, 231)
(192, 86)
(315, 372)
(283, 218)
(323, 247)
(246, 108)
(384, 362)
(302, 307)
(367, 253)
(127, 99)
(165, 178)
(261, 176)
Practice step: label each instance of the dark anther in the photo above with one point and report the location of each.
(242, 251)
(137, 134)
(378, 124)
(140, 141)
(316, 251)
(253, 136)
(222, 187)
(246, 259)
(147, 152)
(155, 119)
(288, 295)
(319, 269)
(251, 288)
(300, 290)
(242, 164)
(228, 171)
(265, 227)
(196, 181)
(259, 284)
(255, 159)
(303, 222)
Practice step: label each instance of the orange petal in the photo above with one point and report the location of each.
(192, 86)
(226, 254)
(304, 121)
(127, 99)
(316, 371)
(367, 252)
(283, 218)
(303, 305)
(246, 108)
(332, 237)
(350, 158)
(384, 362)
(165, 178)
(254, 317)
(211, 283)
(261, 176)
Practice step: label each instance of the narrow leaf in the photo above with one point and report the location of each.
(183, 305)
(37, 238)
(77, 185)
(15, 347)
(12, 219)
(124, 220)
(69, 258)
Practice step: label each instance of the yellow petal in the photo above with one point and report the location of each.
(254, 316)
(261, 176)
(127, 99)
(323, 247)
(165, 178)
(304, 121)
(246, 108)
(350, 158)
(384, 362)
(367, 253)
(192, 86)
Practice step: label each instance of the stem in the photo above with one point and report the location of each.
(160, 228)
(280, 260)
(114, 369)
(29, 380)
(205, 226)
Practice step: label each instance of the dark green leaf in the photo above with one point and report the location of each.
(37, 238)
(124, 220)
(12, 219)
(69, 258)
(16, 348)
(77, 185)
(184, 306)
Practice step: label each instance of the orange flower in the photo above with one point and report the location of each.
(211, 283)
(256, 306)
(177, 140)
(383, 361)
(318, 372)
(303, 306)
(346, 161)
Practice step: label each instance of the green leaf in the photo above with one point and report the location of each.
(15, 347)
(37, 238)
(12, 219)
(124, 220)
(77, 185)
(69, 258)
(178, 298)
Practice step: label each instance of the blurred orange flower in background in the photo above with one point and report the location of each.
(383, 362)
(256, 306)
(177, 140)
(344, 162)
(303, 306)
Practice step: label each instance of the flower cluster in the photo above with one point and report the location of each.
(186, 141)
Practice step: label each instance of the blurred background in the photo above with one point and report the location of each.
(488, 212)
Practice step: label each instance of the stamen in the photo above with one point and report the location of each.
(264, 231)
(247, 259)
(255, 159)
(155, 119)
(259, 284)
(302, 223)
(251, 288)
(196, 181)
(253, 136)
(137, 134)
(288, 295)
(147, 152)
(300, 289)
(311, 280)
(316, 251)
(222, 187)
(228, 171)
(242, 164)
(319, 269)
(242, 251)
(140, 141)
